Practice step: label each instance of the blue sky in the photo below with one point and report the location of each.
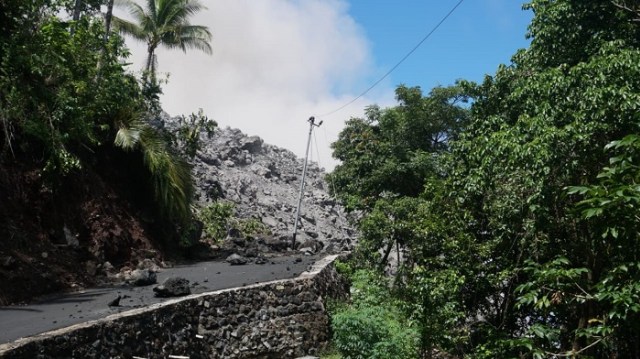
(277, 62)
(474, 40)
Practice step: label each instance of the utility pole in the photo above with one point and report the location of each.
(312, 124)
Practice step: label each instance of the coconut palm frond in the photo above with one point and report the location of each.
(176, 12)
(173, 185)
(195, 37)
(127, 138)
(166, 22)
(128, 28)
(129, 122)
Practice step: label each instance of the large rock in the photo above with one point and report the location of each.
(173, 287)
(252, 144)
(141, 277)
(236, 260)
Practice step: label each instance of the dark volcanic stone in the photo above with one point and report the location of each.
(142, 277)
(236, 259)
(173, 287)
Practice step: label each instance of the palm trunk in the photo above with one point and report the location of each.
(149, 60)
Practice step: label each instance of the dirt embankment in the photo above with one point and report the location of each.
(66, 236)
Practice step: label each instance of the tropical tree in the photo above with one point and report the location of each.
(165, 22)
(528, 246)
(395, 149)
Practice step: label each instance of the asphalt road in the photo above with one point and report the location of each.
(28, 320)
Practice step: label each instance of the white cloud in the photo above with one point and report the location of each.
(274, 64)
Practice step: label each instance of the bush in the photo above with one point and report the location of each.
(252, 227)
(215, 219)
(372, 326)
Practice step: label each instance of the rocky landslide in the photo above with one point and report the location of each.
(263, 183)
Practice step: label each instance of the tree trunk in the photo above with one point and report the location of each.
(76, 14)
(385, 257)
(107, 20)
(149, 60)
(107, 31)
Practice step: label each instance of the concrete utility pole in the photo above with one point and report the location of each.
(304, 174)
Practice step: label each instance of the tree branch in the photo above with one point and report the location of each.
(623, 5)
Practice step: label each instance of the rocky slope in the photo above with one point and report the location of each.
(263, 182)
(98, 222)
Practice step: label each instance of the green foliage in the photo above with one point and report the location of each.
(188, 136)
(519, 238)
(344, 268)
(372, 326)
(66, 97)
(215, 219)
(251, 227)
(165, 22)
(541, 127)
(170, 173)
(615, 200)
(58, 91)
(393, 150)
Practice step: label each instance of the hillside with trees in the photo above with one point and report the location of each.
(511, 206)
(96, 181)
(498, 219)
(86, 177)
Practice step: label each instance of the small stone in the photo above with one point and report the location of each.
(115, 302)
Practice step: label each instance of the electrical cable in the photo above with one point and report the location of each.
(315, 143)
(399, 62)
(332, 184)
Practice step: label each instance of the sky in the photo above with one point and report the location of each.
(275, 63)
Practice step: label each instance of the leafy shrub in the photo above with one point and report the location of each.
(187, 137)
(251, 227)
(215, 219)
(344, 268)
(372, 326)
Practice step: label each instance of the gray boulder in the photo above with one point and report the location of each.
(141, 277)
(236, 260)
(252, 144)
(173, 287)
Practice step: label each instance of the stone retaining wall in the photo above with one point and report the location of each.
(279, 319)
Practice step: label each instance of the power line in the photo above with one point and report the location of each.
(399, 62)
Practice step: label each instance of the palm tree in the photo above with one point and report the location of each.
(165, 22)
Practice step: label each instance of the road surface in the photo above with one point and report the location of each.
(28, 320)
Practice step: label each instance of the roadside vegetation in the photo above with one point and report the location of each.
(510, 207)
(68, 100)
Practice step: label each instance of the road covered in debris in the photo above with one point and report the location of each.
(28, 320)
